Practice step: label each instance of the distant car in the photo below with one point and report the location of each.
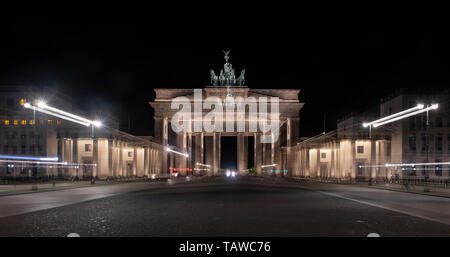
(230, 173)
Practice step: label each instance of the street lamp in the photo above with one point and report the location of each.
(45, 108)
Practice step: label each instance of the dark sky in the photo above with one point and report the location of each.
(114, 66)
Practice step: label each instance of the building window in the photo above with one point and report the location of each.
(6, 122)
(88, 147)
(360, 169)
(130, 154)
(412, 143)
(448, 142)
(412, 124)
(323, 155)
(439, 143)
(16, 122)
(31, 122)
(49, 122)
(23, 122)
(424, 142)
(41, 122)
(360, 149)
(438, 169)
(439, 122)
(58, 122)
(23, 101)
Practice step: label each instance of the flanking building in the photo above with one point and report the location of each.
(82, 152)
(353, 152)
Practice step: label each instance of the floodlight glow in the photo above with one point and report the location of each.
(416, 164)
(228, 173)
(98, 123)
(61, 116)
(418, 107)
(201, 164)
(41, 104)
(44, 108)
(432, 107)
(233, 173)
(30, 158)
(173, 151)
(198, 169)
(405, 164)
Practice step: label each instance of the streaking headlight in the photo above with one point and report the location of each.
(233, 173)
(228, 173)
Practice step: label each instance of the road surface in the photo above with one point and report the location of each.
(225, 207)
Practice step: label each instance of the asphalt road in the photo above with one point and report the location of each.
(239, 207)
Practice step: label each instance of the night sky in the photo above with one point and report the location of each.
(114, 66)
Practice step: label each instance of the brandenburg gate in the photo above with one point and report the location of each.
(202, 148)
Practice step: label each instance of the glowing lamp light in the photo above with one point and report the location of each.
(98, 123)
(30, 158)
(42, 104)
(173, 151)
(44, 108)
(387, 118)
(432, 107)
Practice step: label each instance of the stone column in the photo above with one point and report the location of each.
(209, 145)
(96, 167)
(60, 154)
(172, 162)
(146, 161)
(190, 158)
(258, 153)
(165, 137)
(182, 145)
(216, 153)
(353, 167)
(242, 152)
(333, 158)
(158, 154)
(110, 158)
(373, 158)
(75, 157)
(155, 162)
(135, 161)
(276, 156)
(199, 150)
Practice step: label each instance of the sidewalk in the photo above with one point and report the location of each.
(47, 186)
(27, 188)
(416, 189)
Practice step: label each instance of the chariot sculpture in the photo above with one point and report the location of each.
(227, 76)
